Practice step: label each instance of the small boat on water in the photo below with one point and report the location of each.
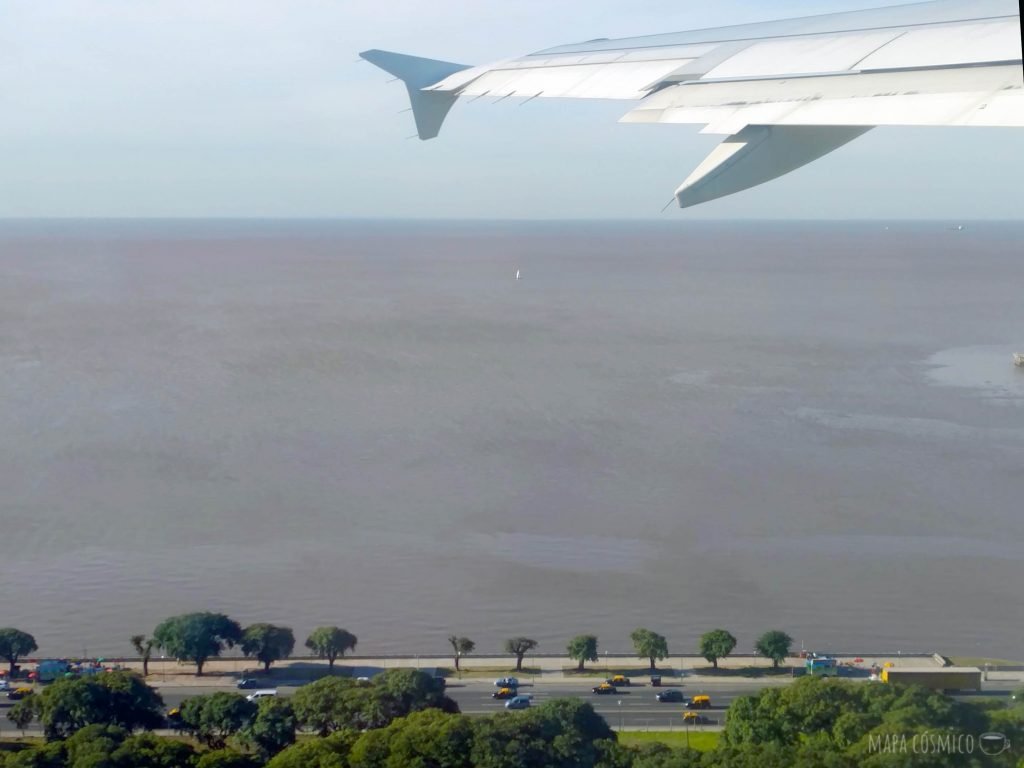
(1018, 359)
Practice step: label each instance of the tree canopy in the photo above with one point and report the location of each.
(119, 699)
(519, 647)
(14, 644)
(215, 717)
(268, 643)
(583, 648)
(774, 644)
(716, 644)
(331, 643)
(649, 645)
(273, 727)
(461, 646)
(197, 637)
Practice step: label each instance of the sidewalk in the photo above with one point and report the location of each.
(536, 669)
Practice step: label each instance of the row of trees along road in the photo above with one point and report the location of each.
(198, 637)
(714, 645)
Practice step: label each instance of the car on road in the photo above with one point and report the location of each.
(700, 701)
(604, 688)
(264, 694)
(518, 702)
(174, 718)
(692, 718)
(248, 682)
(671, 696)
(16, 694)
(619, 680)
(506, 682)
(4, 685)
(504, 693)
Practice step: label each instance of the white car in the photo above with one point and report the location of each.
(264, 694)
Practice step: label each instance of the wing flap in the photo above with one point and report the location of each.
(757, 154)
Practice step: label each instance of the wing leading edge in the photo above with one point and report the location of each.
(785, 93)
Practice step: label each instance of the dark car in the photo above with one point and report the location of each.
(248, 682)
(604, 688)
(671, 696)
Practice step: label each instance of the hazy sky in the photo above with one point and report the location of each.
(259, 108)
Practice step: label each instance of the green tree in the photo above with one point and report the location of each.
(461, 646)
(423, 739)
(331, 643)
(14, 644)
(329, 752)
(143, 647)
(146, 750)
(214, 718)
(519, 647)
(225, 758)
(23, 712)
(716, 644)
(273, 728)
(120, 699)
(561, 732)
(774, 644)
(400, 692)
(649, 645)
(197, 637)
(327, 705)
(583, 648)
(268, 643)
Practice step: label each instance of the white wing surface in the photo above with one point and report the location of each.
(784, 92)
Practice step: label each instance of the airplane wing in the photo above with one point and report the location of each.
(784, 92)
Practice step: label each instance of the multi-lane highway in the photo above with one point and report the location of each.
(630, 707)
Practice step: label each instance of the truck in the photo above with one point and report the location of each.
(936, 678)
(822, 666)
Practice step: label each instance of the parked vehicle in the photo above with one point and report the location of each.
(264, 694)
(619, 680)
(49, 670)
(701, 701)
(504, 693)
(822, 666)
(936, 678)
(506, 682)
(604, 688)
(671, 696)
(518, 702)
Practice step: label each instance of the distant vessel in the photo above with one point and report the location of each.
(1018, 359)
(517, 274)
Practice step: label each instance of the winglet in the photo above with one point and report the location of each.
(760, 153)
(428, 107)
